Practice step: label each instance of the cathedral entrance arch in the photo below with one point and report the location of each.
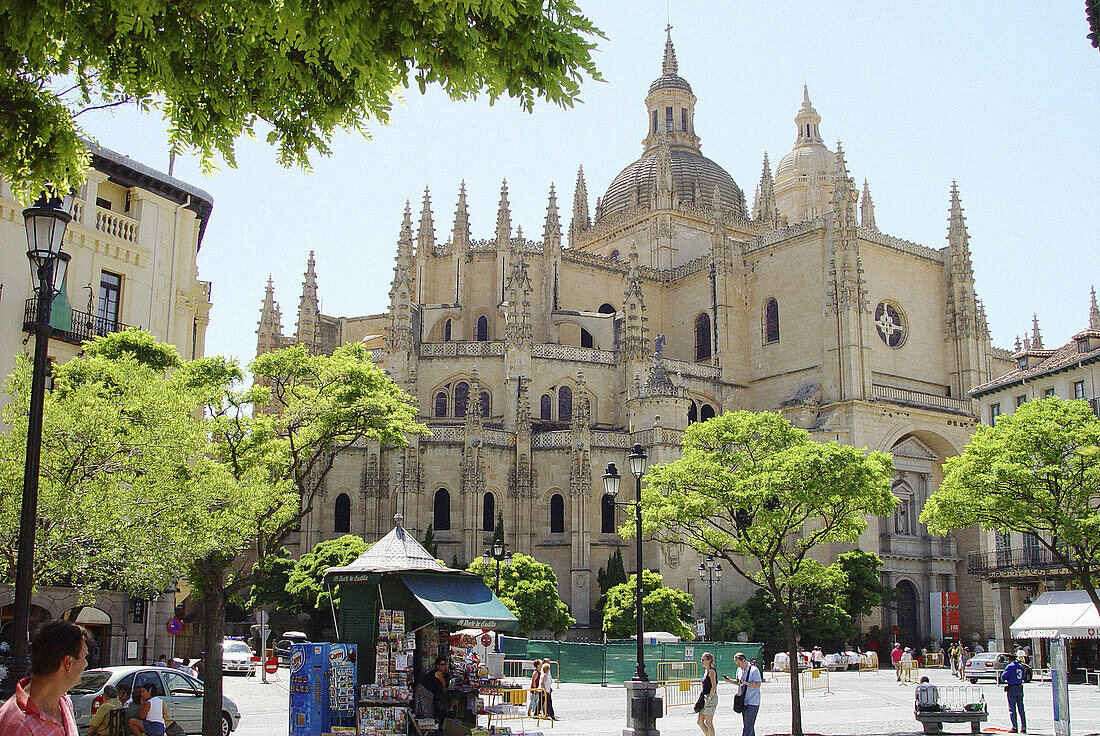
(908, 616)
(39, 615)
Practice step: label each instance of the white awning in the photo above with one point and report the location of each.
(1067, 613)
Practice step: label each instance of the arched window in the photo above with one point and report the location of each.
(693, 412)
(906, 603)
(441, 510)
(488, 512)
(706, 412)
(606, 308)
(447, 331)
(462, 397)
(557, 514)
(484, 400)
(565, 404)
(342, 514)
(586, 339)
(771, 321)
(546, 405)
(607, 515)
(702, 336)
(440, 409)
(482, 329)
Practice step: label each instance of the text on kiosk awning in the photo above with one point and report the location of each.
(1068, 613)
(463, 601)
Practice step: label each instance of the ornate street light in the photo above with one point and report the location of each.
(46, 221)
(611, 480)
(499, 552)
(710, 572)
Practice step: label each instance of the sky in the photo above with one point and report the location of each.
(1002, 96)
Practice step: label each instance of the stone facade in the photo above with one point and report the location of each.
(537, 362)
(134, 241)
(1015, 568)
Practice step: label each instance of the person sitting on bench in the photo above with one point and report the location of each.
(927, 697)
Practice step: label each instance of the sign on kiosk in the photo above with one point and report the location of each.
(944, 610)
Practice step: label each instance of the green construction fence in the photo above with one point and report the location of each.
(613, 662)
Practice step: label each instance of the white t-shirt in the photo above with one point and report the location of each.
(156, 710)
(752, 674)
(547, 682)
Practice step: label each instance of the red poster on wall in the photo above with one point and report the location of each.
(950, 612)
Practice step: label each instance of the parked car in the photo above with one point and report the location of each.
(284, 642)
(989, 666)
(182, 695)
(237, 657)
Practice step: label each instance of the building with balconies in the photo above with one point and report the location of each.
(1015, 568)
(134, 242)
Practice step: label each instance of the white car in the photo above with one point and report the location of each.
(237, 657)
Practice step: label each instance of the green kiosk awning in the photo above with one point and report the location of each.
(463, 601)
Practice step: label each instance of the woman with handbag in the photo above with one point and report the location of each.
(708, 699)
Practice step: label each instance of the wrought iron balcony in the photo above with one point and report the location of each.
(83, 326)
(1016, 564)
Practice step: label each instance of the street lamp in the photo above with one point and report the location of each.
(612, 479)
(710, 572)
(46, 221)
(499, 552)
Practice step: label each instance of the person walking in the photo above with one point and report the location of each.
(895, 658)
(533, 705)
(546, 682)
(907, 664)
(749, 678)
(1013, 679)
(709, 693)
(40, 706)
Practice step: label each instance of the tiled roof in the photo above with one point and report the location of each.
(1064, 357)
(397, 551)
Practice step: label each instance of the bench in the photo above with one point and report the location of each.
(933, 720)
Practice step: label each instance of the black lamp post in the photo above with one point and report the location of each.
(710, 572)
(499, 552)
(611, 480)
(46, 221)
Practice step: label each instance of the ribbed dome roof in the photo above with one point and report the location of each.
(669, 81)
(806, 159)
(688, 170)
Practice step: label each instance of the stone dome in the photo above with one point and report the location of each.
(669, 81)
(691, 172)
(806, 159)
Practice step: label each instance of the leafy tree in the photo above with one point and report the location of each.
(758, 493)
(278, 441)
(124, 484)
(613, 575)
(429, 543)
(1037, 471)
(862, 590)
(529, 589)
(325, 67)
(498, 532)
(270, 588)
(663, 609)
(306, 581)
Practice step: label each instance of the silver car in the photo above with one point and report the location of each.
(182, 695)
(989, 666)
(238, 657)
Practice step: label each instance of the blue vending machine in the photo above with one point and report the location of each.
(322, 687)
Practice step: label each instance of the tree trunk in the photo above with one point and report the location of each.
(792, 652)
(213, 633)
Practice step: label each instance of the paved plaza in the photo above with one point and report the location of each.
(869, 703)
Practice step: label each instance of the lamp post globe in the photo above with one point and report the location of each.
(46, 222)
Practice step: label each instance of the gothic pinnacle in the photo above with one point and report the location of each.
(1036, 336)
(552, 228)
(668, 64)
(867, 208)
(460, 234)
(425, 236)
(504, 216)
(1094, 312)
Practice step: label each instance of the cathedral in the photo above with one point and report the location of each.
(537, 362)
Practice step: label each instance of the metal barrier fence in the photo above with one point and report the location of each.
(681, 692)
(518, 669)
(676, 671)
(934, 659)
(868, 662)
(817, 679)
(909, 670)
(615, 661)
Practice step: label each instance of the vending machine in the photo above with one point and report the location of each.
(322, 687)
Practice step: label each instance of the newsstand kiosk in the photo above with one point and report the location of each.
(400, 610)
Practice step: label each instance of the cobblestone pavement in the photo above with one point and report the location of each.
(859, 704)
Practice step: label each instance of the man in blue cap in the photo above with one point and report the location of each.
(1013, 679)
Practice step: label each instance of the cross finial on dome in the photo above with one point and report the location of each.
(668, 66)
